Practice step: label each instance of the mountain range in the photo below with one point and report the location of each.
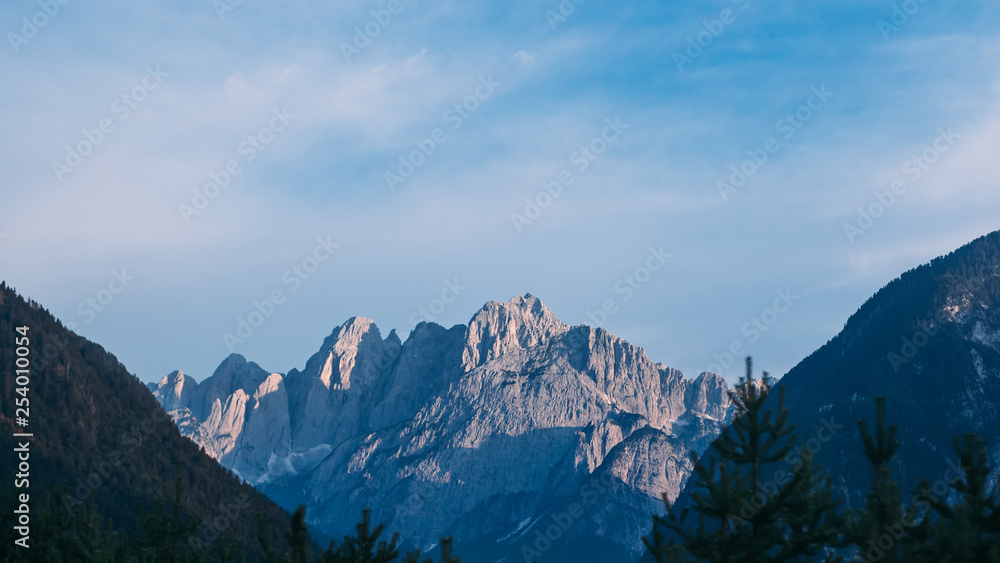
(493, 432)
(520, 436)
(517, 425)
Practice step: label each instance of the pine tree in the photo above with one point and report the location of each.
(66, 531)
(367, 546)
(96, 541)
(878, 531)
(227, 551)
(446, 556)
(265, 547)
(969, 529)
(791, 517)
(298, 538)
(165, 535)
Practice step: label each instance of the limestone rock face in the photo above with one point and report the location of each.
(474, 431)
(175, 390)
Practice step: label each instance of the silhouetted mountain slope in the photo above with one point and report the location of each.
(100, 433)
(929, 342)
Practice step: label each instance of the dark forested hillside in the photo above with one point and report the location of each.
(929, 342)
(100, 437)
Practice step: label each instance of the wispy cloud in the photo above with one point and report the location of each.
(324, 174)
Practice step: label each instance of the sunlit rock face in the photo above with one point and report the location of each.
(474, 431)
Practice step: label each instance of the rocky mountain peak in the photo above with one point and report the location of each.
(234, 373)
(708, 396)
(470, 420)
(336, 365)
(175, 390)
(354, 329)
(502, 328)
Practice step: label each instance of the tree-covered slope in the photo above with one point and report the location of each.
(929, 341)
(101, 437)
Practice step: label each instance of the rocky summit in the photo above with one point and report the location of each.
(511, 434)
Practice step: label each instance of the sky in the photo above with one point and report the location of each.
(181, 180)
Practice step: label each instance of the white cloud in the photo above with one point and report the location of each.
(324, 174)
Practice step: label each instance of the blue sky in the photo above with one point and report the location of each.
(204, 92)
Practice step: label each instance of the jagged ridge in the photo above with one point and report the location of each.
(468, 431)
